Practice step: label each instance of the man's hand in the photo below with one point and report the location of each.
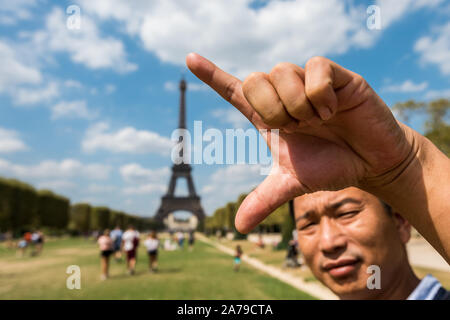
(335, 131)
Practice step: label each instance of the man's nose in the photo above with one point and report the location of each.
(332, 240)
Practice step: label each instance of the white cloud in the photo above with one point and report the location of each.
(135, 173)
(406, 87)
(436, 94)
(145, 189)
(84, 45)
(231, 116)
(10, 141)
(51, 169)
(128, 140)
(98, 188)
(143, 180)
(392, 11)
(242, 39)
(435, 49)
(229, 182)
(57, 185)
(70, 83)
(23, 81)
(197, 87)
(173, 86)
(110, 88)
(14, 72)
(12, 11)
(170, 86)
(30, 96)
(72, 109)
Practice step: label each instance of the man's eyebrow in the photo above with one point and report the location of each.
(336, 205)
(332, 206)
(305, 215)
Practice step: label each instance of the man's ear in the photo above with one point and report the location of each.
(403, 227)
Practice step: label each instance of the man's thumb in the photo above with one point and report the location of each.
(274, 191)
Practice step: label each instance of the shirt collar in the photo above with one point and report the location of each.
(426, 290)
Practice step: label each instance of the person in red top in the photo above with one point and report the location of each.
(27, 237)
(130, 243)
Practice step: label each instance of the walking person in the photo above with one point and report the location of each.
(116, 237)
(9, 239)
(106, 245)
(191, 240)
(237, 258)
(152, 245)
(180, 238)
(27, 236)
(37, 239)
(22, 247)
(130, 243)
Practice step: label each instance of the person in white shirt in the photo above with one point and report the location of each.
(152, 245)
(180, 238)
(169, 245)
(130, 242)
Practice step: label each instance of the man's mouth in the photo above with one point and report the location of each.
(341, 268)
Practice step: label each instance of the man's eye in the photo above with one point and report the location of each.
(306, 226)
(348, 214)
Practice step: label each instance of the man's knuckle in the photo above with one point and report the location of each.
(252, 82)
(254, 76)
(360, 81)
(281, 68)
(297, 102)
(230, 90)
(316, 90)
(274, 118)
(316, 61)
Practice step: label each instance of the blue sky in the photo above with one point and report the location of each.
(89, 112)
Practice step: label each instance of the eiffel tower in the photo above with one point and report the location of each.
(169, 202)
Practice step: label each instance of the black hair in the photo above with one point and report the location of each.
(291, 209)
(387, 207)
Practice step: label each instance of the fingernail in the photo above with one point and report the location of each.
(325, 113)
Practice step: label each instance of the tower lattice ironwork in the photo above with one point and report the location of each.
(170, 202)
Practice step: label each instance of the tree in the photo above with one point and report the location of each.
(24, 205)
(53, 210)
(230, 213)
(287, 226)
(6, 197)
(100, 218)
(436, 113)
(80, 217)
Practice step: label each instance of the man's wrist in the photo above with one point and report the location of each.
(418, 189)
(404, 175)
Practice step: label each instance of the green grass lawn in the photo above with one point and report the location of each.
(204, 273)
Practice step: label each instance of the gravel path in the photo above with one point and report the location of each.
(422, 254)
(314, 289)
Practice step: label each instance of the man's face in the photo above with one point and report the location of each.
(342, 233)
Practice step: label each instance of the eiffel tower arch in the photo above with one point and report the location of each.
(170, 202)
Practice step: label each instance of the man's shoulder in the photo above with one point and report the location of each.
(442, 294)
(429, 288)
